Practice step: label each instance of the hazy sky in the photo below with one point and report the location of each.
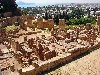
(60, 1)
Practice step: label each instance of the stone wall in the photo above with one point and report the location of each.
(98, 20)
(50, 23)
(16, 19)
(62, 23)
(45, 24)
(88, 26)
(22, 24)
(7, 14)
(29, 22)
(40, 23)
(57, 60)
(30, 17)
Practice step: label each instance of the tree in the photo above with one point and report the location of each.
(25, 12)
(66, 16)
(88, 12)
(76, 13)
(49, 17)
(9, 6)
(46, 16)
(56, 19)
(62, 15)
(81, 21)
(95, 9)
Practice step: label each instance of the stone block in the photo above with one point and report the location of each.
(30, 17)
(47, 55)
(16, 24)
(13, 20)
(62, 23)
(83, 50)
(53, 53)
(88, 26)
(29, 22)
(7, 14)
(4, 24)
(12, 68)
(40, 23)
(50, 24)
(23, 26)
(45, 24)
(76, 53)
(98, 20)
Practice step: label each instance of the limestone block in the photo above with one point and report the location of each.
(76, 53)
(88, 26)
(45, 24)
(83, 50)
(98, 20)
(50, 24)
(47, 55)
(30, 17)
(22, 25)
(29, 22)
(7, 14)
(62, 23)
(53, 53)
(40, 23)
(12, 68)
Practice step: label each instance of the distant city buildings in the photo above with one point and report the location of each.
(51, 10)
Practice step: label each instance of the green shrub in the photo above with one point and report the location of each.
(81, 21)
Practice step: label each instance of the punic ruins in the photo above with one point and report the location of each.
(30, 51)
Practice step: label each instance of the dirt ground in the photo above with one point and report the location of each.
(85, 64)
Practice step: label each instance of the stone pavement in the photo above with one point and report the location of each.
(86, 64)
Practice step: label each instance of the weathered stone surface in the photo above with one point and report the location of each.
(62, 23)
(88, 26)
(29, 22)
(47, 55)
(40, 23)
(50, 24)
(7, 14)
(43, 51)
(30, 16)
(98, 20)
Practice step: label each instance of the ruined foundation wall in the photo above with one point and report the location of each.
(59, 60)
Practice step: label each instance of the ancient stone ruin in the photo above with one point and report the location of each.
(31, 52)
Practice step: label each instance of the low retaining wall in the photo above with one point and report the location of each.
(55, 61)
(18, 35)
(51, 63)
